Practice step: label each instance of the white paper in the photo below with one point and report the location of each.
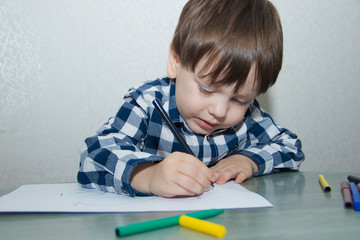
(71, 197)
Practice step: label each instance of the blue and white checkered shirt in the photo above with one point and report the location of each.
(137, 134)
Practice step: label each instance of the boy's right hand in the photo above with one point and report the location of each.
(179, 174)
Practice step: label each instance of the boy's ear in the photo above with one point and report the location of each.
(173, 63)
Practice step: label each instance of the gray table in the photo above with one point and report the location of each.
(302, 210)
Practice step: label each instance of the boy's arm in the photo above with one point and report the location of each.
(108, 158)
(271, 147)
(268, 148)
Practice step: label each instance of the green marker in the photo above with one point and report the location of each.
(163, 222)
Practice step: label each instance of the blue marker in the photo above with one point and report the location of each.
(355, 196)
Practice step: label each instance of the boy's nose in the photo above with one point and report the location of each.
(218, 108)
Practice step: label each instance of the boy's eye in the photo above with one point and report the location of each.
(240, 102)
(205, 90)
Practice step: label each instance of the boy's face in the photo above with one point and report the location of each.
(208, 108)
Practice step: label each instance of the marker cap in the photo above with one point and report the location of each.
(202, 226)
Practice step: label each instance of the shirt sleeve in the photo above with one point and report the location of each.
(272, 147)
(108, 158)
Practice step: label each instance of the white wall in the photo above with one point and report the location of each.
(65, 65)
(318, 91)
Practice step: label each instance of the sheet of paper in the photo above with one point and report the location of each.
(71, 197)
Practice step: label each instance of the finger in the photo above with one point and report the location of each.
(220, 169)
(217, 167)
(196, 169)
(242, 176)
(175, 186)
(198, 176)
(224, 176)
(210, 175)
(189, 186)
(167, 181)
(175, 191)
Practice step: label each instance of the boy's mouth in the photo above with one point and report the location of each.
(206, 125)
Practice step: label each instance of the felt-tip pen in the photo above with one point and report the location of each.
(163, 222)
(163, 114)
(346, 192)
(199, 225)
(355, 196)
(159, 108)
(354, 179)
(324, 184)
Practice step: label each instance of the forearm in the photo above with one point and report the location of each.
(141, 176)
(283, 152)
(272, 147)
(109, 167)
(107, 159)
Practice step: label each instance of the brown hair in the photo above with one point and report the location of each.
(234, 35)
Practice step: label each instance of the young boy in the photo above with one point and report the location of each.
(223, 55)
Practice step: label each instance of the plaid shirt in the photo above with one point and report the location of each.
(137, 134)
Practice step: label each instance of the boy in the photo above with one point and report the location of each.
(224, 54)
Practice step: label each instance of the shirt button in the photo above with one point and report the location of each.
(208, 138)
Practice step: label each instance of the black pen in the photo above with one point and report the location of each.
(354, 179)
(172, 126)
(159, 108)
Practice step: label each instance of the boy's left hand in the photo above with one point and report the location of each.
(237, 167)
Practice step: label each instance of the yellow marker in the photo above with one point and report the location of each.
(324, 183)
(202, 226)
